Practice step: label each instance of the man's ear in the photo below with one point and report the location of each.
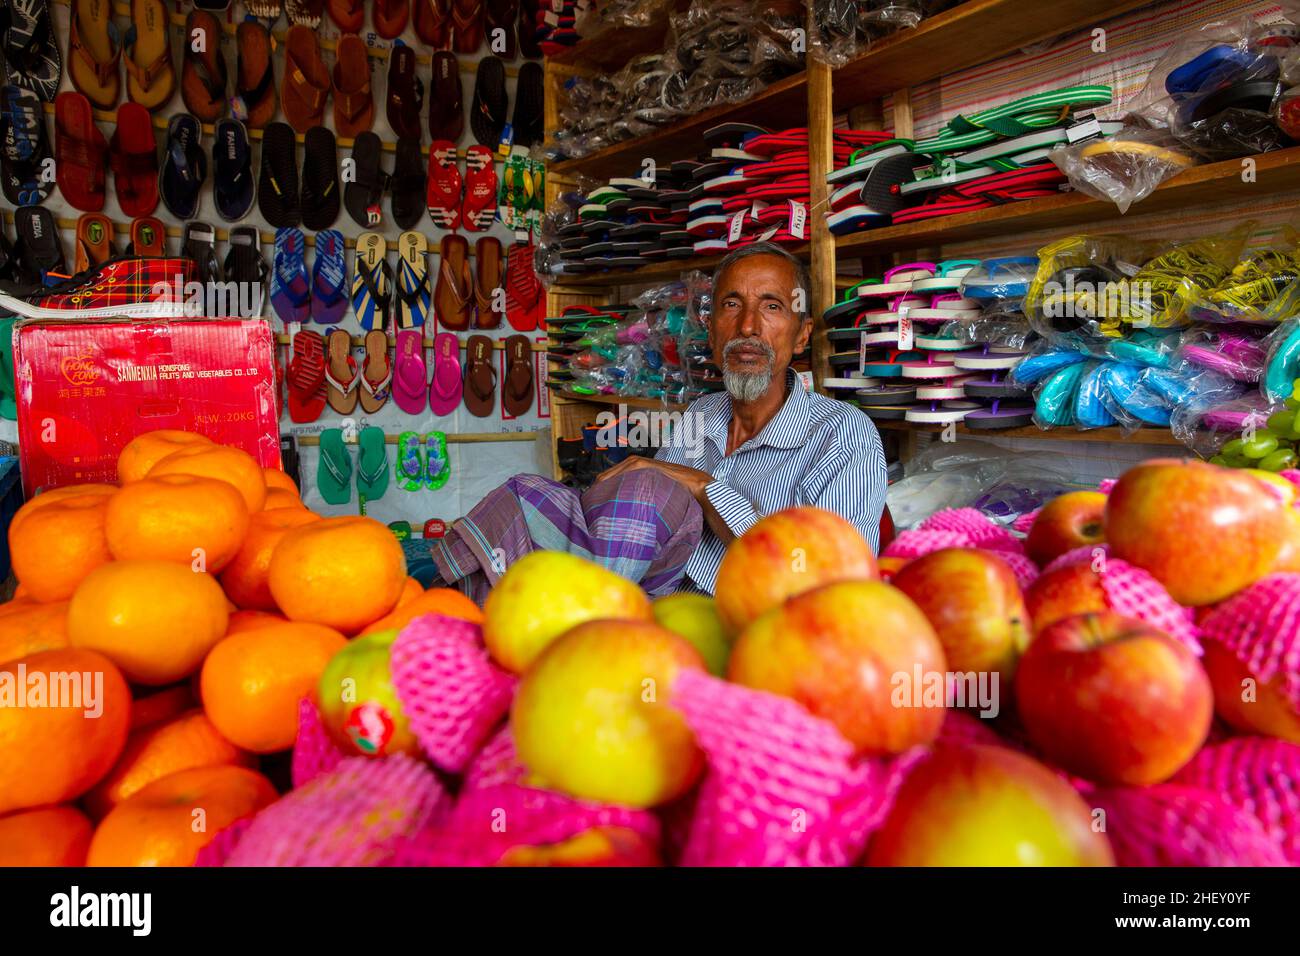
(805, 334)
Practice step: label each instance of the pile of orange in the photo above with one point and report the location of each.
(202, 600)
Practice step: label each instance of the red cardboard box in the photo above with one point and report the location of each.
(86, 388)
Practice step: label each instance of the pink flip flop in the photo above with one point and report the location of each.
(409, 373)
(445, 389)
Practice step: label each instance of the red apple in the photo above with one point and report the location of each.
(1112, 699)
(785, 554)
(592, 716)
(1065, 592)
(599, 846)
(1288, 556)
(859, 654)
(979, 805)
(1071, 521)
(1204, 532)
(1245, 702)
(974, 603)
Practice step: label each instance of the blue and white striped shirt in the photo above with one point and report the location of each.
(815, 451)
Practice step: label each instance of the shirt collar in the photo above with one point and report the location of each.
(787, 429)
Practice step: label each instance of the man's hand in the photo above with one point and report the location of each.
(692, 479)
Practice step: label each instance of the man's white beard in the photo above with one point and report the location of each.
(747, 386)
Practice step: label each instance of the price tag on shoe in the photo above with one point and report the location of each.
(904, 327)
(737, 228)
(798, 219)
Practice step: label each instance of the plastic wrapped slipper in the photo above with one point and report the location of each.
(410, 462)
(372, 464)
(290, 286)
(329, 294)
(437, 467)
(334, 469)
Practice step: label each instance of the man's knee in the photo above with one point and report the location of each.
(639, 484)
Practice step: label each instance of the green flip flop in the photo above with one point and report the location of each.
(372, 464)
(438, 466)
(410, 462)
(334, 470)
(8, 397)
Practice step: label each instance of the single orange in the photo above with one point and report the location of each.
(245, 578)
(53, 754)
(53, 545)
(277, 499)
(223, 462)
(144, 451)
(275, 478)
(161, 706)
(411, 590)
(62, 494)
(156, 620)
(170, 820)
(28, 627)
(253, 682)
(340, 572)
(444, 601)
(48, 836)
(241, 621)
(150, 754)
(198, 522)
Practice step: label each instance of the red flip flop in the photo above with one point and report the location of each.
(133, 154)
(349, 15)
(80, 153)
(444, 185)
(390, 17)
(306, 377)
(525, 296)
(433, 22)
(479, 209)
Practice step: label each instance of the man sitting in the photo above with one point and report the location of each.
(762, 445)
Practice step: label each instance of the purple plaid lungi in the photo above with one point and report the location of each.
(641, 524)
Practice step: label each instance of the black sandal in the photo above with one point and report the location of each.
(320, 180)
(529, 106)
(24, 147)
(408, 183)
(31, 53)
(199, 243)
(488, 114)
(16, 278)
(364, 195)
(38, 246)
(246, 266)
(277, 186)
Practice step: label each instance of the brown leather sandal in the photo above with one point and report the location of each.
(150, 76)
(94, 52)
(453, 297)
(354, 105)
(517, 391)
(306, 80)
(488, 278)
(204, 75)
(480, 376)
(433, 22)
(467, 25)
(254, 101)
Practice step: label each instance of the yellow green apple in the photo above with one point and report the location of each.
(359, 705)
(695, 617)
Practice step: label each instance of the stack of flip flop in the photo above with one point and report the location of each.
(555, 26)
(996, 156)
(894, 357)
(751, 185)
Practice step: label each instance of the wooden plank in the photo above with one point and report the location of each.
(1275, 172)
(969, 34)
(903, 121)
(1143, 436)
(821, 245)
(612, 48)
(784, 104)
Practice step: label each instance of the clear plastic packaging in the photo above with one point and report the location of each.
(1207, 428)
(1263, 287)
(1055, 397)
(1281, 362)
(1124, 168)
(593, 19)
(1090, 409)
(1228, 353)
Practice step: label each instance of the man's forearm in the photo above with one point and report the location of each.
(714, 520)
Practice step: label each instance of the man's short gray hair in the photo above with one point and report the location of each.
(801, 278)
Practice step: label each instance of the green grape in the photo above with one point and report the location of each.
(1219, 460)
(1292, 403)
(1264, 443)
(1238, 461)
(1281, 422)
(1281, 459)
(1295, 388)
(1232, 449)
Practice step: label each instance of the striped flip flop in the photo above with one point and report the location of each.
(329, 278)
(413, 293)
(372, 282)
(1016, 118)
(290, 287)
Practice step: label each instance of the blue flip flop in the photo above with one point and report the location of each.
(290, 291)
(232, 171)
(329, 276)
(185, 167)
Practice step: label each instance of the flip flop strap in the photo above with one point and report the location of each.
(379, 389)
(299, 77)
(335, 472)
(347, 388)
(144, 75)
(256, 94)
(370, 477)
(216, 90)
(106, 71)
(382, 300)
(462, 297)
(28, 55)
(354, 102)
(413, 288)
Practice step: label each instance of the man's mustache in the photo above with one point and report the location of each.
(755, 344)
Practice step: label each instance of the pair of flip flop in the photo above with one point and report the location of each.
(522, 194)
(334, 470)
(297, 296)
(422, 463)
(185, 169)
(24, 147)
(454, 200)
(349, 383)
(465, 295)
(83, 157)
(280, 197)
(95, 46)
(412, 392)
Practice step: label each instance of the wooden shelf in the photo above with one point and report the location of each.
(784, 103)
(1275, 172)
(613, 48)
(967, 35)
(654, 272)
(630, 401)
(1143, 436)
